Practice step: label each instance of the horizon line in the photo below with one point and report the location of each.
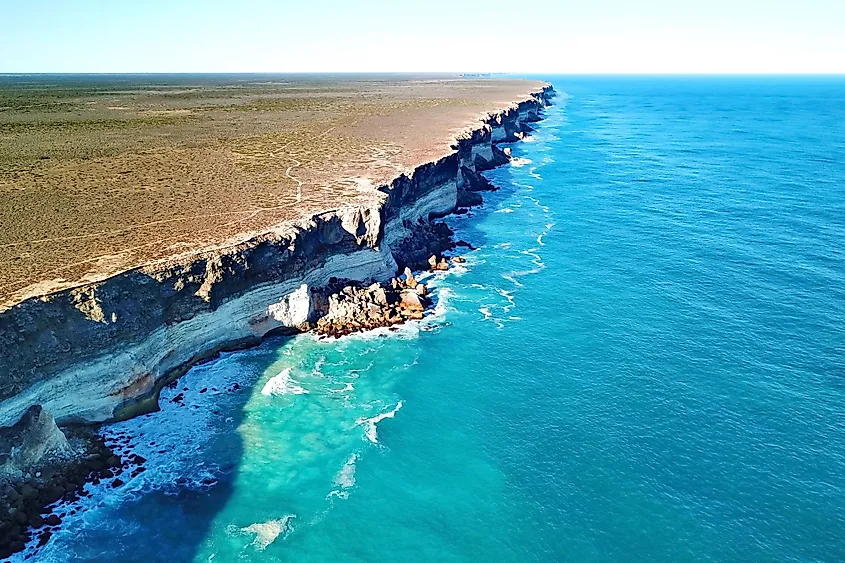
(411, 72)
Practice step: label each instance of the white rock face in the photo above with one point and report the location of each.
(33, 441)
(96, 390)
(437, 203)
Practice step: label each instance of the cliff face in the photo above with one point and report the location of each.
(103, 350)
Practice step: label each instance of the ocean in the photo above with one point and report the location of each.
(643, 361)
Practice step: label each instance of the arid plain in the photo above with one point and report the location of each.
(103, 173)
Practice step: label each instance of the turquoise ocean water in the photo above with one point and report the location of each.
(642, 362)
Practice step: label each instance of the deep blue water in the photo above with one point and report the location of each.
(642, 362)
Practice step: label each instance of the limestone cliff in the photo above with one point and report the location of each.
(102, 351)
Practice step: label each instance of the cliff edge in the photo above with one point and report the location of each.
(101, 351)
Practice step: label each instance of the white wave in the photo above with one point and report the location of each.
(502, 245)
(519, 162)
(317, 366)
(488, 316)
(265, 532)
(536, 202)
(504, 210)
(534, 174)
(507, 295)
(345, 478)
(370, 424)
(282, 384)
(536, 259)
(511, 278)
(444, 294)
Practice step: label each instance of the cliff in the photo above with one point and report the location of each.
(102, 351)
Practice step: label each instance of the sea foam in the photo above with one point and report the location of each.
(282, 384)
(371, 424)
(265, 533)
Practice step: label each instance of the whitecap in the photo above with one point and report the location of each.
(507, 295)
(265, 532)
(488, 316)
(504, 210)
(370, 424)
(345, 478)
(519, 162)
(282, 384)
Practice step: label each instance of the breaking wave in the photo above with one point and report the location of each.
(282, 384)
(371, 424)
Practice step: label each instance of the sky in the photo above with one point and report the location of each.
(546, 36)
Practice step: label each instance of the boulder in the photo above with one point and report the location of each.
(411, 301)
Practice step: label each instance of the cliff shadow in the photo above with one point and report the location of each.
(194, 453)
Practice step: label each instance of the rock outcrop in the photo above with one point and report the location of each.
(34, 442)
(103, 351)
(354, 308)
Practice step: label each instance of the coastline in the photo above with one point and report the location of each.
(101, 351)
(114, 345)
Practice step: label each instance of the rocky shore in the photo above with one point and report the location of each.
(35, 497)
(102, 352)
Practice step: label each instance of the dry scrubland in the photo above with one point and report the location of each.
(100, 174)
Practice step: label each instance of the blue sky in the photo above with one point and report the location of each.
(587, 36)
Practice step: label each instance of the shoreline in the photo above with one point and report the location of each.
(326, 274)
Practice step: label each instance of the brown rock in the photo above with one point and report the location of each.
(410, 281)
(411, 301)
(380, 296)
